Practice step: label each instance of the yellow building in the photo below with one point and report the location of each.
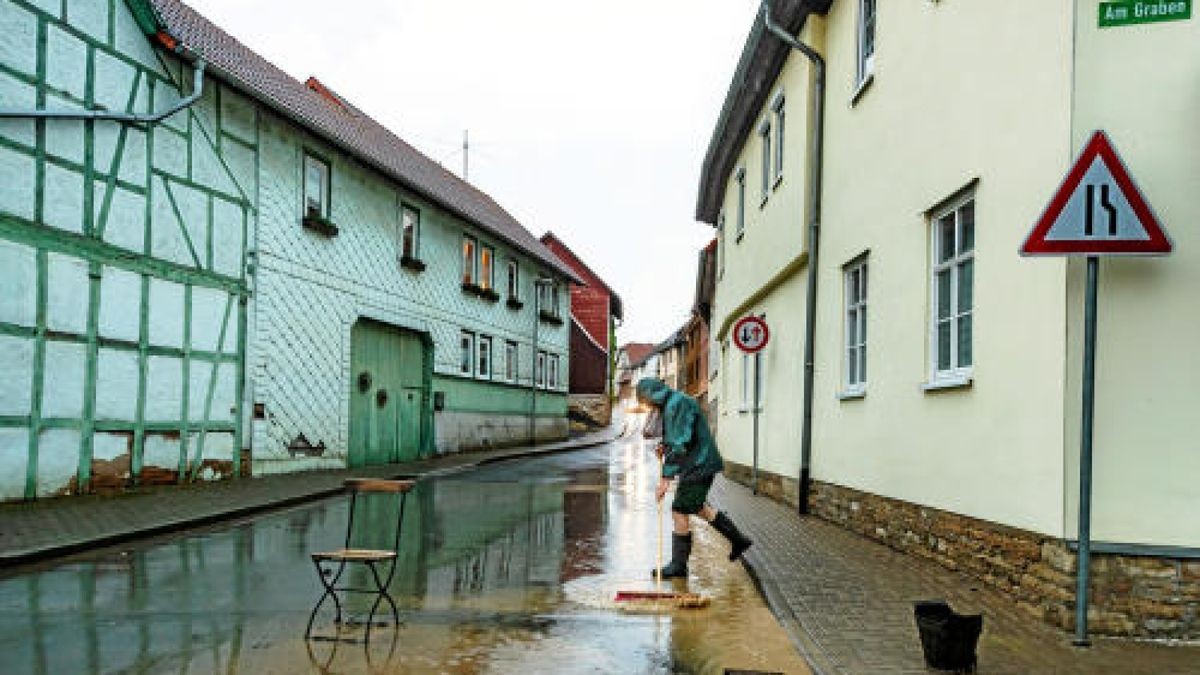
(946, 392)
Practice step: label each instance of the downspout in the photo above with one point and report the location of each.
(111, 115)
(816, 145)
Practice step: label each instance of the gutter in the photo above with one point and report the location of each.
(816, 146)
(114, 116)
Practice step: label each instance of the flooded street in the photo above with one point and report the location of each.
(510, 568)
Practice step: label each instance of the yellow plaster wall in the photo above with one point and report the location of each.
(962, 91)
(1141, 84)
(773, 240)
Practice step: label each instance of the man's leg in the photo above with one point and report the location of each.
(681, 522)
(721, 522)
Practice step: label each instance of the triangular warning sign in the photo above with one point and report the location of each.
(1098, 210)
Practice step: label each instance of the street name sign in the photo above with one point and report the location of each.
(1098, 210)
(750, 334)
(1132, 12)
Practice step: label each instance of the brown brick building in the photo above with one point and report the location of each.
(594, 308)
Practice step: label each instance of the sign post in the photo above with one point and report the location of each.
(750, 334)
(1097, 211)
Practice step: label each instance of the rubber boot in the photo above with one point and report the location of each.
(737, 540)
(681, 550)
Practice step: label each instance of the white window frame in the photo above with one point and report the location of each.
(856, 275)
(466, 357)
(768, 159)
(407, 224)
(548, 298)
(511, 360)
(483, 357)
(748, 381)
(326, 179)
(740, 188)
(514, 280)
(552, 372)
(777, 110)
(487, 266)
(868, 13)
(470, 271)
(957, 372)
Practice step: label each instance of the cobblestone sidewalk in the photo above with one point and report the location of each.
(32, 531)
(848, 603)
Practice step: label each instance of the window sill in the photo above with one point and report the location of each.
(948, 382)
(552, 319)
(320, 225)
(411, 263)
(763, 203)
(778, 182)
(856, 394)
(514, 303)
(861, 88)
(489, 294)
(739, 237)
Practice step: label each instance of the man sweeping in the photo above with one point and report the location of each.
(691, 461)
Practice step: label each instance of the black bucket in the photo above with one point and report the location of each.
(948, 639)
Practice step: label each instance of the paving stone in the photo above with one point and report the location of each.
(851, 600)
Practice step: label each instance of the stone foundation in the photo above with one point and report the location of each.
(1131, 595)
(589, 410)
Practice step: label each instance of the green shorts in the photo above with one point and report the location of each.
(690, 497)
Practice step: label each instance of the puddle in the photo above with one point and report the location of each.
(512, 568)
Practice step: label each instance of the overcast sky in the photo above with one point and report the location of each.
(586, 118)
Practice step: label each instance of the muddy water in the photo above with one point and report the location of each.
(510, 569)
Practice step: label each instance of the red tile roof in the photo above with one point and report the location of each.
(342, 124)
(636, 352)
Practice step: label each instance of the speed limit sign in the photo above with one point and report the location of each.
(750, 334)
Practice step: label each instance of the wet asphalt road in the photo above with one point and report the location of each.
(510, 568)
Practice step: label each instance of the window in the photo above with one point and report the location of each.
(485, 357)
(316, 187)
(721, 245)
(866, 39)
(777, 168)
(467, 348)
(749, 361)
(552, 367)
(510, 361)
(856, 325)
(741, 202)
(953, 290)
(539, 374)
(514, 279)
(410, 231)
(548, 298)
(486, 256)
(468, 261)
(764, 135)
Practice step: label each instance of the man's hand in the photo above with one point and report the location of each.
(664, 484)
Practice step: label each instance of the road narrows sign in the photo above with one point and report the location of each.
(1098, 210)
(750, 334)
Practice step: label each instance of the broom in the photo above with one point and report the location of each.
(659, 599)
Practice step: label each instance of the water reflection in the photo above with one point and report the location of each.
(510, 569)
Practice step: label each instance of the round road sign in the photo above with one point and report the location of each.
(750, 334)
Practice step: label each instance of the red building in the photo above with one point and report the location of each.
(594, 307)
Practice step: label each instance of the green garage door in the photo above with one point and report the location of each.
(386, 394)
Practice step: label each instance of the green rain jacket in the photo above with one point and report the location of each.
(691, 454)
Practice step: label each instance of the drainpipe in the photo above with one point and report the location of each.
(816, 146)
(112, 115)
